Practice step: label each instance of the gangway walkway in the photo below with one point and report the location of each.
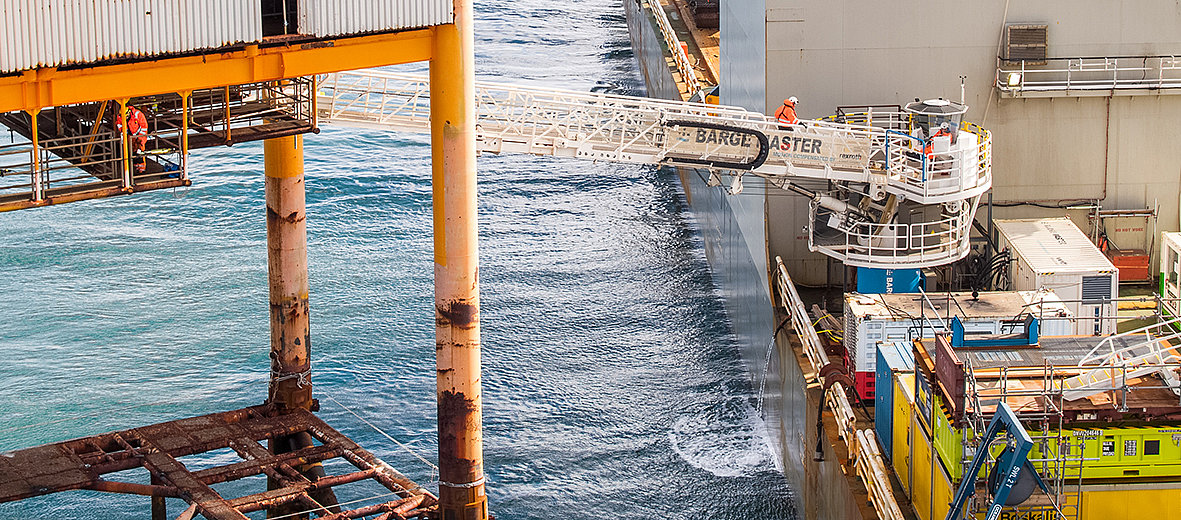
(877, 171)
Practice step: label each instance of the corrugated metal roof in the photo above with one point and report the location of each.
(55, 33)
(338, 17)
(1053, 245)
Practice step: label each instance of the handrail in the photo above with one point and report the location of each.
(609, 127)
(861, 444)
(688, 74)
(1116, 75)
(1096, 358)
(914, 245)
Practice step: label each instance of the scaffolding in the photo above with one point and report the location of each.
(78, 152)
(1113, 371)
(1060, 456)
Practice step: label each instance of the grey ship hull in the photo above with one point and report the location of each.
(734, 230)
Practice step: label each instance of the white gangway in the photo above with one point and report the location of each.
(876, 168)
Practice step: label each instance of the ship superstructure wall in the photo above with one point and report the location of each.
(1055, 148)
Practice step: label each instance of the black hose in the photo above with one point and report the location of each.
(764, 146)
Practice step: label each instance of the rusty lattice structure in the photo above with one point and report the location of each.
(84, 463)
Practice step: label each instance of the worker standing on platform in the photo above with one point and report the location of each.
(943, 131)
(137, 131)
(786, 115)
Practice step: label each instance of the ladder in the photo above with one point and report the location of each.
(875, 172)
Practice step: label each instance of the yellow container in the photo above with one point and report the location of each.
(1136, 501)
(903, 416)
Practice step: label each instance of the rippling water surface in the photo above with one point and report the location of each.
(612, 383)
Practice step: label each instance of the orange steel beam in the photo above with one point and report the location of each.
(457, 291)
(40, 88)
(91, 193)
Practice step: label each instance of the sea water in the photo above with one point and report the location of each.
(613, 387)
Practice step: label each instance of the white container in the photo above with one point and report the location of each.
(1053, 253)
(57, 33)
(1170, 276)
(874, 318)
(340, 17)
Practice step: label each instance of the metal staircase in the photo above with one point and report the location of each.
(1132, 354)
(890, 205)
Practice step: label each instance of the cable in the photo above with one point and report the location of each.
(309, 511)
(434, 468)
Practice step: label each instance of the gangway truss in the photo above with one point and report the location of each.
(893, 202)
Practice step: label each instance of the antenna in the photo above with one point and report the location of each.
(962, 78)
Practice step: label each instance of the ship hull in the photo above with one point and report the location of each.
(734, 232)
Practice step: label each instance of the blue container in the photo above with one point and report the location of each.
(895, 356)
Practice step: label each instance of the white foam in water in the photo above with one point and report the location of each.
(730, 442)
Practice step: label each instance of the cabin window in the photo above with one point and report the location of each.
(280, 17)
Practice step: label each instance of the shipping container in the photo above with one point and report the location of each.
(874, 318)
(1149, 500)
(58, 33)
(1053, 253)
(903, 417)
(893, 358)
(339, 17)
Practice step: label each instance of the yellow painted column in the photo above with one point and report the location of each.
(457, 295)
(287, 273)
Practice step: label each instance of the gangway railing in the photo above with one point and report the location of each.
(675, 47)
(870, 180)
(862, 444)
(936, 241)
(605, 126)
(1082, 76)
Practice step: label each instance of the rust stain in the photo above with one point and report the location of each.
(457, 314)
(455, 426)
(291, 218)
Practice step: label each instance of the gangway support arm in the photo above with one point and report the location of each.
(1010, 464)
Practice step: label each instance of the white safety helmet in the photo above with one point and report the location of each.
(793, 100)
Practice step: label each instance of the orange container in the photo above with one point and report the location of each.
(1132, 264)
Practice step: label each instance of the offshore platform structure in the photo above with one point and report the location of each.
(191, 75)
(883, 195)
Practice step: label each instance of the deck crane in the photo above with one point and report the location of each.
(880, 195)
